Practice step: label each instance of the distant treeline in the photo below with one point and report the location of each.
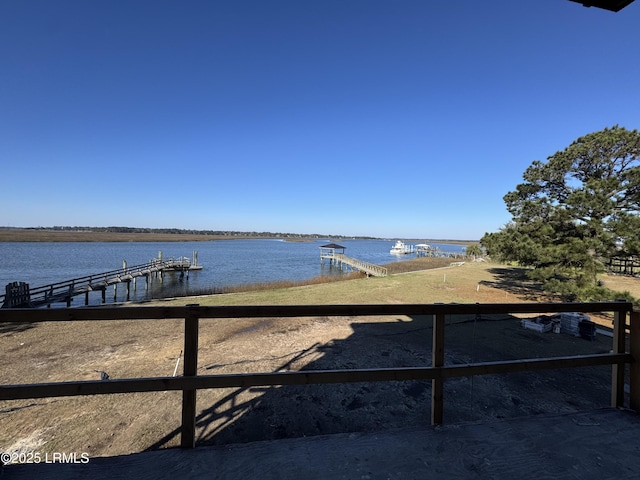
(179, 231)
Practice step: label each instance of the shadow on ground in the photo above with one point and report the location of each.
(254, 414)
(514, 281)
(15, 327)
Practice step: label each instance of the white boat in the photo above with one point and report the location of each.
(423, 250)
(400, 248)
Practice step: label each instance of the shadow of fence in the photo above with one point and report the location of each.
(269, 413)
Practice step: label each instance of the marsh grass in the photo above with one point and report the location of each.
(406, 266)
(423, 263)
(258, 287)
(26, 235)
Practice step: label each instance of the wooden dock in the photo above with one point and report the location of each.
(335, 254)
(20, 295)
(370, 269)
(424, 250)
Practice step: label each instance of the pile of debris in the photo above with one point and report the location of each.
(571, 323)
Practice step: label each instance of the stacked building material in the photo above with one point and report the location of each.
(537, 326)
(570, 322)
(587, 329)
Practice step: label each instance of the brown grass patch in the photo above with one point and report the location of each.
(423, 263)
(265, 286)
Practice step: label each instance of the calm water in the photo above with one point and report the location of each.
(225, 262)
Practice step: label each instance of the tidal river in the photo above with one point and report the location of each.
(225, 262)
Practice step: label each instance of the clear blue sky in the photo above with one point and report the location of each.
(387, 118)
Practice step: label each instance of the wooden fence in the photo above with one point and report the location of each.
(625, 265)
(190, 382)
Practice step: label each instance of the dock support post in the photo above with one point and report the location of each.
(104, 294)
(128, 290)
(70, 295)
(188, 429)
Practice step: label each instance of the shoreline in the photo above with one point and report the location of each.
(33, 235)
(27, 235)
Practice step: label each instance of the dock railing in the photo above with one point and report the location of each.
(365, 267)
(190, 382)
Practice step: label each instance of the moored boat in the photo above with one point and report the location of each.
(400, 248)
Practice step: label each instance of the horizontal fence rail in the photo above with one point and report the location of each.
(157, 384)
(190, 382)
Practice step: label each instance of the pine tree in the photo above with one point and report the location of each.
(575, 212)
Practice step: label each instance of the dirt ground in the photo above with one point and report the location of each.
(119, 424)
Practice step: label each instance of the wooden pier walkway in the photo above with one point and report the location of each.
(340, 259)
(19, 295)
(335, 254)
(366, 267)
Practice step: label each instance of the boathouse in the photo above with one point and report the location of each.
(330, 249)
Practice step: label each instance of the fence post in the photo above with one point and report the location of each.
(188, 429)
(634, 375)
(617, 370)
(437, 356)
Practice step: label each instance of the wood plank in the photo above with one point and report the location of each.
(634, 366)
(188, 428)
(247, 311)
(619, 346)
(437, 360)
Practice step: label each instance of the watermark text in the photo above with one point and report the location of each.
(8, 458)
